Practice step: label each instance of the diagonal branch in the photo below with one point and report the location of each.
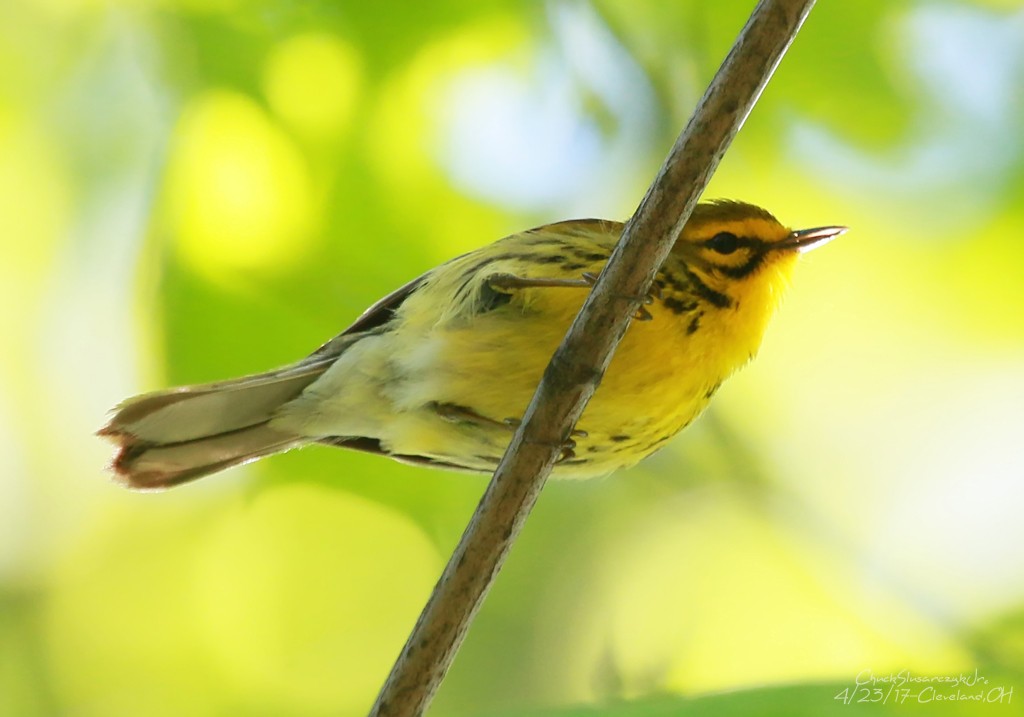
(578, 364)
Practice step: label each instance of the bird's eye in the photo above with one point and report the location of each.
(724, 243)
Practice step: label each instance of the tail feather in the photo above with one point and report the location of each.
(170, 437)
(148, 466)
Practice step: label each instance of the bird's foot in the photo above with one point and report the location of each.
(642, 314)
(568, 446)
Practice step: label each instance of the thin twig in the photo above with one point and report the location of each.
(578, 364)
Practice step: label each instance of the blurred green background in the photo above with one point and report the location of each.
(193, 189)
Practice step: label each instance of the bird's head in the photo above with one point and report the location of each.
(736, 250)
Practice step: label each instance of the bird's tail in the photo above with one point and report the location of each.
(169, 437)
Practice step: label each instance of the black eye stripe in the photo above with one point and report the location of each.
(751, 264)
(731, 244)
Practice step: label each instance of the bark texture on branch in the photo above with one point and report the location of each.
(578, 364)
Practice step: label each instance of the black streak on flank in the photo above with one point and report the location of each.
(694, 325)
(711, 391)
(619, 438)
(670, 280)
(678, 306)
(652, 446)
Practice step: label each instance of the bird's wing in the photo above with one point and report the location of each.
(464, 279)
(507, 271)
(375, 316)
(373, 445)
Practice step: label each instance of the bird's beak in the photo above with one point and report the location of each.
(806, 239)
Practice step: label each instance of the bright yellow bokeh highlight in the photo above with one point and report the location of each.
(308, 595)
(238, 189)
(312, 82)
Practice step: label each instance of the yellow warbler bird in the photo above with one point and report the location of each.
(439, 371)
